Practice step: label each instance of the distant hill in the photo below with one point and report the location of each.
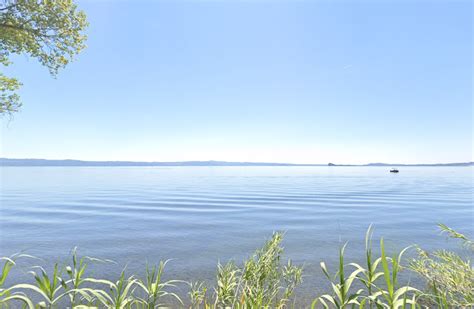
(43, 162)
(401, 164)
(434, 164)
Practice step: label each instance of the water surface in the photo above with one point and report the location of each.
(199, 215)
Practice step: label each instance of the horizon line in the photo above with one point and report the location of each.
(59, 162)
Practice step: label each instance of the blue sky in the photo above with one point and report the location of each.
(276, 81)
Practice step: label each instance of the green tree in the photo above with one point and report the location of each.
(51, 31)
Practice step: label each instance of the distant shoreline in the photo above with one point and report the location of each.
(45, 162)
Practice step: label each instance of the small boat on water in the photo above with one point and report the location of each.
(393, 170)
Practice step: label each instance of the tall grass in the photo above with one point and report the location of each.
(264, 280)
(449, 276)
(8, 295)
(341, 284)
(261, 282)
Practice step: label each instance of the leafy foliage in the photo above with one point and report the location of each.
(50, 31)
(9, 99)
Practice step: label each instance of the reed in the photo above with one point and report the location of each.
(341, 284)
(155, 289)
(449, 277)
(261, 281)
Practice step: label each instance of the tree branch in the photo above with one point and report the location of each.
(8, 7)
(31, 30)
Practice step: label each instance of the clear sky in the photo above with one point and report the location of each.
(276, 81)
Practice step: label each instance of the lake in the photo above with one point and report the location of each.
(198, 216)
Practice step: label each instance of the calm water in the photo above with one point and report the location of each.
(199, 215)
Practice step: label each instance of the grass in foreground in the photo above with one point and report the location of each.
(262, 281)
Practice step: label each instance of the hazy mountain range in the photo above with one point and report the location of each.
(44, 162)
